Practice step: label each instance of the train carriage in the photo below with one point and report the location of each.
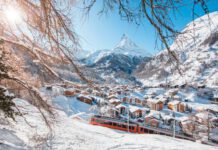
(132, 127)
(114, 124)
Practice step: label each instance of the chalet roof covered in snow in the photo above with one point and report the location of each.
(114, 100)
(154, 100)
(175, 102)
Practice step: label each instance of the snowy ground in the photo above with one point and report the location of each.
(71, 133)
(76, 134)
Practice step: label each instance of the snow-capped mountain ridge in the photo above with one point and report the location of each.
(118, 63)
(196, 50)
(95, 56)
(124, 47)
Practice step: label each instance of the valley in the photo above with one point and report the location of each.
(118, 98)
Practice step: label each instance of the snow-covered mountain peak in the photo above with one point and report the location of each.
(126, 42)
(127, 47)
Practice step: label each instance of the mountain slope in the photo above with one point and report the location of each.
(197, 51)
(117, 64)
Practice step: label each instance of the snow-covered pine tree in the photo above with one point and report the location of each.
(6, 103)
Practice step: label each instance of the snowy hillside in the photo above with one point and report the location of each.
(95, 56)
(80, 135)
(81, 54)
(197, 51)
(74, 133)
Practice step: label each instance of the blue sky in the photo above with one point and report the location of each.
(104, 32)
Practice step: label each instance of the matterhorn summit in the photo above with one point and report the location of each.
(127, 47)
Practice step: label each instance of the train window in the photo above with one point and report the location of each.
(124, 126)
(99, 121)
(110, 123)
(103, 121)
(114, 124)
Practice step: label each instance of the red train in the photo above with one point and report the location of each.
(114, 124)
(133, 127)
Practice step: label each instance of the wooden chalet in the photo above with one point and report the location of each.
(115, 101)
(70, 93)
(85, 99)
(188, 127)
(163, 98)
(202, 117)
(152, 121)
(177, 106)
(125, 99)
(136, 112)
(138, 101)
(155, 104)
(122, 109)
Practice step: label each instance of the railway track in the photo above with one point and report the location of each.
(134, 127)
